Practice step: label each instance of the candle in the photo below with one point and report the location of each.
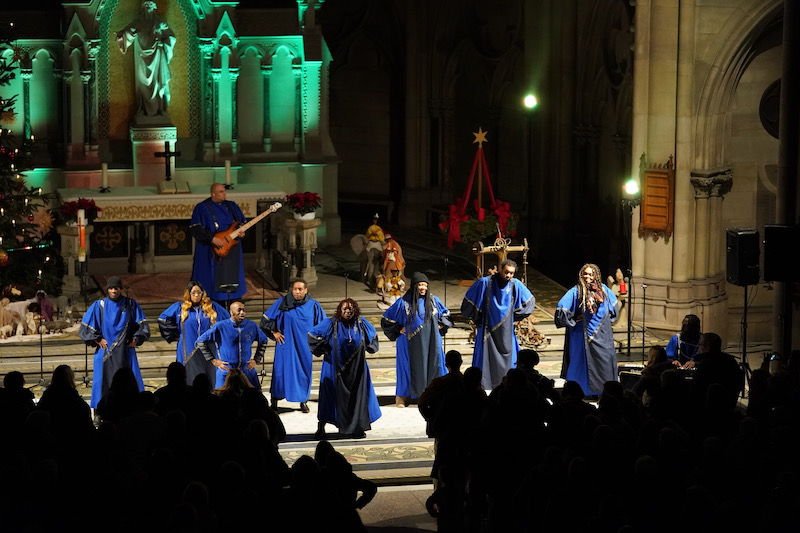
(40, 272)
(104, 174)
(227, 172)
(81, 217)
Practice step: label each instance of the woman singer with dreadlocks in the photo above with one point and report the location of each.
(588, 310)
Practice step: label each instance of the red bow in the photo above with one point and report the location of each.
(452, 225)
(502, 210)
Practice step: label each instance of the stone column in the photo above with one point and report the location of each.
(298, 108)
(207, 96)
(26, 74)
(266, 73)
(87, 114)
(234, 76)
(66, 110)
(93, 51)
(216, 74)
(710, 186)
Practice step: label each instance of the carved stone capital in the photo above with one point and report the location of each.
(93, 49)
(86, 77)
(216, 74)
(26, 74)
(711, 182)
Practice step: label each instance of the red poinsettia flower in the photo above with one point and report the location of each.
(304, 202)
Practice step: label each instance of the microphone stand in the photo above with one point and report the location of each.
(42, 382)
(644, 300)
(444, 337)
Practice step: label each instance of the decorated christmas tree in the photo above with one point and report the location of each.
(28, 259)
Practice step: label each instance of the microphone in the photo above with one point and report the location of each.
(644, 285)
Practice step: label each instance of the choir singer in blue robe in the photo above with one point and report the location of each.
(495, 303)
(116, 325)
(222, 277)
(346, 396)
(185, 321)
(234, 340)
(417, 322)
(588, 311)
(288, 322)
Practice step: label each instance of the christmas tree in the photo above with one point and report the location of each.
(28, 259)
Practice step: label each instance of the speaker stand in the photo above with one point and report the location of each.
(745, 364)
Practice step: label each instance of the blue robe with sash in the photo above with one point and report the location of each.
(291, 369)
(420, 350)
(589, 354)
(186, 333)
(118, 322)
(347, 398)
(222, 277)
(234, 343)
(495, 305)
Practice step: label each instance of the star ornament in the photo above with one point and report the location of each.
(480, 137)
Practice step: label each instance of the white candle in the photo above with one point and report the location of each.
(81, 217)
(104, 174)
(40, 272)
(227, 172)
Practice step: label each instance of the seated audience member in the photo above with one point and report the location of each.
(716, 366)
(657, 363)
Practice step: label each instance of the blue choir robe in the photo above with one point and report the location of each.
(347, 398)
(186, 332)
(118, 322)
(420, 350)
(234, 345)
(494, 307)
(680, 350)
(589, 353)
(291, 369)
(222, 277)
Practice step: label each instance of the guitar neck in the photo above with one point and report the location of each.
(255, 220)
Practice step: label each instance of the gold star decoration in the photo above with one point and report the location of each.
(480, 137)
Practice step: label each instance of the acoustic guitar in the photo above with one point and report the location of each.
(230, 236)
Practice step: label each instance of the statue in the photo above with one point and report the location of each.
(153, 43)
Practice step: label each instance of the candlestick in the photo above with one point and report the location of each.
(227, 172)
(104, 174)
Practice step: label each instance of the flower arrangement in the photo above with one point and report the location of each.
(304, 202)
(68, 211)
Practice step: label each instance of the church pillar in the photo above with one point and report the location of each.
(93, 50)
(86, 77)
(710, 187)
(234, 76)
(298, 108)
(266, 73)
(216, 74)
(311, 108)
(26, 74)
(207, 88)
(66, 108)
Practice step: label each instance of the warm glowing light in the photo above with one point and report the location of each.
(530, 101)
(631, 188)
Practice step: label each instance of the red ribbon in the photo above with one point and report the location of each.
(452, 225)
(502, 210)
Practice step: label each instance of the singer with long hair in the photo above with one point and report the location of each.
(588, 310)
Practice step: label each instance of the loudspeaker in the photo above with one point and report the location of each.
(742, 256)
(779, 242)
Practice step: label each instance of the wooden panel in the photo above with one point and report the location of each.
(657, 207)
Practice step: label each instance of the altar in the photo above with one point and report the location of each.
(140, 230)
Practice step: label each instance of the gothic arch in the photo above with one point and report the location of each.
(740, 36)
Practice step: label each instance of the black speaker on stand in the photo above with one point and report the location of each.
(742, 247)
(779, 241)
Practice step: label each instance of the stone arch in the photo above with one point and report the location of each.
(719, 87)
(44, 94)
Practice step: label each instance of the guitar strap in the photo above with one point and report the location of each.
(227, 205)
(214, 220)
